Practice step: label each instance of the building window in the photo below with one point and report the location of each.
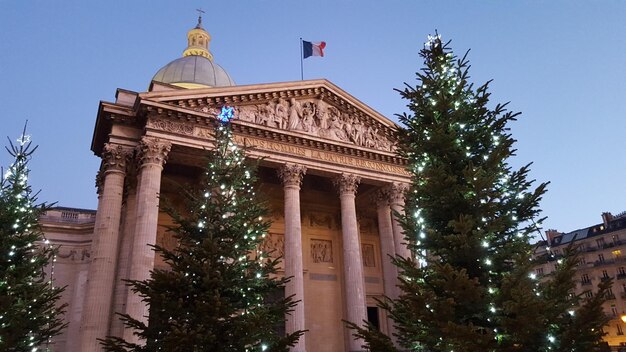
(588, 294)
(600, 242)
(614, 310)
(372, 317)
(605, 274)
(615, 239)
(584, 279)
(619, 330)
(582, 261)
(621, 271)
(539, 271)
(617, 253)
(609, 294)
(601, 258)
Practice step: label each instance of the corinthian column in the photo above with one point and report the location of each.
(387, 245)
(396, 199)
(152, 155)
(291, 175)
(125, 251)
(352, 263)
(99, 291)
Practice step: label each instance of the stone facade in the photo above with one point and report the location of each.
(603, 256)
(328, 169)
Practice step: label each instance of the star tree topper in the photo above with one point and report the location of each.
(227, 114)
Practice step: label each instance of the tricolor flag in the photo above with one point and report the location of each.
(313, 49)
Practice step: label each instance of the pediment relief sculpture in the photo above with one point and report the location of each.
(314, 117)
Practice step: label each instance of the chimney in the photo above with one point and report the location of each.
(606, 218)
(551, 234)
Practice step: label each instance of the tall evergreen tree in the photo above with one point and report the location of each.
(219, 293)
(29, 312)
(469, 217)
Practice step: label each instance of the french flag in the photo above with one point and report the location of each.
(313, 49)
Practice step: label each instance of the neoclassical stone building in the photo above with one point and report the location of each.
(328, 170)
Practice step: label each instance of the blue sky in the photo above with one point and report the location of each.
(561, 63)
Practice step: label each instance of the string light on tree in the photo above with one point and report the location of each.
(29, 313)
(216, 293)
(465, 219)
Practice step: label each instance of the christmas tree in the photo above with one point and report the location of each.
(469, 217)
(29, 312)
(219, 292)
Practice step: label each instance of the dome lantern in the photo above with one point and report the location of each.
(198, 41)
(196, 69)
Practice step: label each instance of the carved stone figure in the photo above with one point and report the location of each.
(248, 113)
(282, 113)
(347, 125)
(274, 244)
(369, 259)
(261, 117)
(357, 132)
(336, 129)
(322, 114)
(321, 251)
(308, 120)
(295, 115)
(315, 117)
(210, 110)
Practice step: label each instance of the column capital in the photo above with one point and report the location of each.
(292, 174)
(381, 197)
(153, 150)
(396, 192)
(347, 183)
(115, 157)
(100, 180)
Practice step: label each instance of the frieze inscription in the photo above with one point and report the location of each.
(319, 155)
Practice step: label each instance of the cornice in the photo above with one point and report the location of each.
(189, 114)
(261, 93)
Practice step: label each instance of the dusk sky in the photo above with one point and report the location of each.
(561, 63)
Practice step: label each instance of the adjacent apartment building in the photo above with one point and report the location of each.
(603, 257)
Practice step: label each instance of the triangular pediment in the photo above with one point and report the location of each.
(315, 108)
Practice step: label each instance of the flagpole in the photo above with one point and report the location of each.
(301, 59)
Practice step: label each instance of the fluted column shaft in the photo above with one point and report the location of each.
(387, 245)
(125, 253)
(396, 201)
(291, 175)
(352, 262)
(100, 283)
(152, 153)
